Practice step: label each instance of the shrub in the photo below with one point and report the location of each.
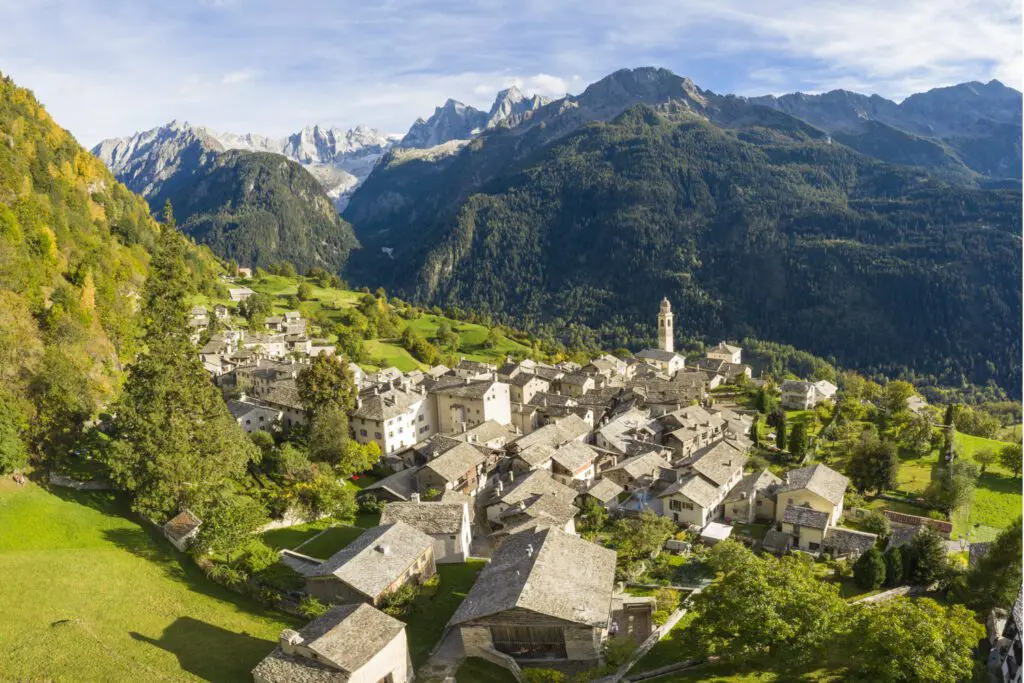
(370, 503)
(660, 616)
(876, 523)
(618, 649)
(397, 602)
(311, 608)
(543, 676)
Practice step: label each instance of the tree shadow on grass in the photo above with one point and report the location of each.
(210, 652)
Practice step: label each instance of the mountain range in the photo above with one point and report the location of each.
(883, 235)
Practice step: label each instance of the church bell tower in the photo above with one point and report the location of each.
(666, 334)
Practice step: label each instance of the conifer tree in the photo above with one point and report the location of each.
(175, 444)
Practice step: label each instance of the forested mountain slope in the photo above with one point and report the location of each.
(260, 208)
(255, 207)
(74, 253)
(754, 224)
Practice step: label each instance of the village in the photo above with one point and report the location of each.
(511, 464)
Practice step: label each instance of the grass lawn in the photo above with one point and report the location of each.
(429, 613)
(471, 339)
(384, 354)
(293, 536)
(997, 498)
(751, 530)
(726, 672)
(476, 670)
(329, 542)
(90, 595)
(670, 649)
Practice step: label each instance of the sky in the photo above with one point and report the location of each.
(106, 68)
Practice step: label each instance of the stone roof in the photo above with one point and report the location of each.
(377, 558)
(181, 525)
(543, 399)
(696, 488)
(752, 483)
(347, 636)
(554, 434)
(548, 373)
(796, 386)
(718, 462)
(401, 483)
(842, 542)
(657, 355)
(722, 347)
(472, 390)
(283, 393)
(429, 517)
(548, 572)
(776, 540)
(574, 456)
(803, 516)
(605, 490)
(386, 405)
(455, 462)
(523, 378)
(619, 431)
(976, 552)
(639, 466)
(577, 378)
(819, 479)
(486, 432)
(535, 484)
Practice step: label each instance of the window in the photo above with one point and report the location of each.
(675, 505)
(759, 503)
(813, 546)
(391, 434)
(362, 432)
(789, 501)
(422, 417)
(377, 434)
(424, 428)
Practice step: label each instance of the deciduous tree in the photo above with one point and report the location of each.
(326, 383)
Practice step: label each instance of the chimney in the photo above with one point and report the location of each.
(289, 640)
(529, 550)
(241, 396)
(415, 498)
(383, 549)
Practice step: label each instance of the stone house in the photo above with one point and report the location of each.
(577, 384)
(806, 525)
(752, 498)
(240, 293)
(253, 415)
(181, 529)
(667, 362)
(689, 429)
(637, 472)
(459, 468)
(347, 643)
(798, 395)
(726, 352)
(544, 596)
(380, 561)
(819, 487)
(447, 523)
(470, 403)
(524, 386)
(705, 480)
(536, 498)
(573, 463)
(535, 450)
(630, 433)
(395, 418)
(605, 492)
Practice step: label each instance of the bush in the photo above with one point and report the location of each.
(876, 523)
(370, 504)
(618, 649)
(397, 602)
(311, 608)
(660, 616)
(543, 676)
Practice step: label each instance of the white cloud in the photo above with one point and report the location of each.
(239, 76)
